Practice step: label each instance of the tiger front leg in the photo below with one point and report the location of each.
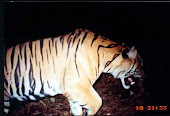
(94, 102)
(75, 108)
(86, 98)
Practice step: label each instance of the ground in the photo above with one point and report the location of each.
(116, 101)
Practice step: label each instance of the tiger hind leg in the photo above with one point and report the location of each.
(6, 102)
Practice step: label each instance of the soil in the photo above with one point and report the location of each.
(116, 101)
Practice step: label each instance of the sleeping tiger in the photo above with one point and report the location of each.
(68, 65)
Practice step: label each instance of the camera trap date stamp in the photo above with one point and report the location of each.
(151, 108)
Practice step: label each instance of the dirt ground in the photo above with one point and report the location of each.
(116, 101)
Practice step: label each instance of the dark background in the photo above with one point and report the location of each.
(144, 25)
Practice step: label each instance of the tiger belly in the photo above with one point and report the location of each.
(46, 90)
(27, 93)
(27, 98)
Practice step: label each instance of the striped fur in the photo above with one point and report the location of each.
(67, 65)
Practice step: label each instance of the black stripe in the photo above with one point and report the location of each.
(16, 77)
(6, 100)
(42, 83)
(98, 62)
(109, 69)
(6, 82)
(76, 56)
(74, 40)
(30, 46)
(73, 32)
(23, 87)
(56, 47)
(11, 90)
(12, 57)
(90, 82)
(6, 107)
(95, 37)
(27, 98)
(31, 77)
(49, 47)
(18, 66)
(100, 47)
(42, 88)
(123, 48)
(75, 102)
(41, 47)
(6, 90)
(138, 69)
(20, 49)
(33, 85)
(112, 45)
(30, 73)
(48, 84)
(37, 97)
(108, 62)
(132, 67)
(115, 56)
(62, 41)
(35, 55)
(25, 56)
(77, 47)
(31, 93)
(104, 38)
(52, 39)
(85, 35)
(69, 41)
(75, 37)
(83, 105)
(69, 38)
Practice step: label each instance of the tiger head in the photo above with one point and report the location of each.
(135, 73)
(128, 67)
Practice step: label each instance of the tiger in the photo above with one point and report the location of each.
(69, 65)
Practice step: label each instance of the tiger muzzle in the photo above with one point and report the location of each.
(134, 81)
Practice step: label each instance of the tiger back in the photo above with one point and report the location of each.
(68, 65)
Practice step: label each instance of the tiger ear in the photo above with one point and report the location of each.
(129, 53)
(124, 53)
(132, 54)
